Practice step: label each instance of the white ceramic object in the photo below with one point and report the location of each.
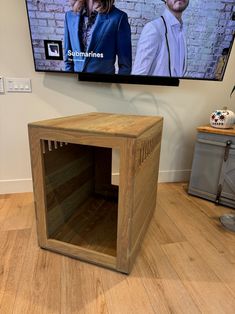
(222, 119)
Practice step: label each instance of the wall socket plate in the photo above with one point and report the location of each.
(1, 85)
(18, 85)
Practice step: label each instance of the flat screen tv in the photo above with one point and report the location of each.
(133, 41)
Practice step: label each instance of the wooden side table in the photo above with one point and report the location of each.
(213, 169)
(79, 212)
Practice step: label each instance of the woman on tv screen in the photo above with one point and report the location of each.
(96, 33)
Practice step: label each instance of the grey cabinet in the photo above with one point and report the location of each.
(213, 169)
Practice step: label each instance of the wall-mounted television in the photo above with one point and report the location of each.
(133, 41)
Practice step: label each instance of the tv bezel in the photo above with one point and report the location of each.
(129, 79)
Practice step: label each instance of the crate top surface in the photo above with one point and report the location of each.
(210, 129)
(102, 123)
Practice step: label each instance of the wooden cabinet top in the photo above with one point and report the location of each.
(210, 129)
(102, 123)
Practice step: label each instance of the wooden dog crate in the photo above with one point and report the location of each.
(79, 212)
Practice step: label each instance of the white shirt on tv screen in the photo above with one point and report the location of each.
(152, 56)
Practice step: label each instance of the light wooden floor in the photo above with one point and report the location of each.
(186, 265)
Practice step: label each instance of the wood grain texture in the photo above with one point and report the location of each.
(92, 226)
(125, 204)
(102, 168)
(185, 265)
(210, 129)
(71, 165)
(199, 279)
(82, 253)
(37, 166)
(102, 123)
(69, 181)
(146, 175)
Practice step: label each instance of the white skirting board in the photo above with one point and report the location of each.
(16, 186)
(174, 175)
(164, 176)
(25, 185)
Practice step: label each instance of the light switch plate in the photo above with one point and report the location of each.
(1, 85)
(18, 85)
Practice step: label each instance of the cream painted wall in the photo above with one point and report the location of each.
(55, 95)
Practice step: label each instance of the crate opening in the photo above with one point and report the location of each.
(81, 201)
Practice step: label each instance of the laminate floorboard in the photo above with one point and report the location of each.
(186, 264)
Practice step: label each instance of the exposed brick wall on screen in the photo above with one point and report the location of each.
(209, 28)
(47, 23)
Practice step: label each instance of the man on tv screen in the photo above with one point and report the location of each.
(161, 49)
(96, 32)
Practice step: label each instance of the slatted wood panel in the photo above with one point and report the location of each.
(80, 200)
(185, 265)
(69, 181)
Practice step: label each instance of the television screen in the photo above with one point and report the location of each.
(149, 38)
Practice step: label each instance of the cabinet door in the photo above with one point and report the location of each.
(227, 179)
(207, 163)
